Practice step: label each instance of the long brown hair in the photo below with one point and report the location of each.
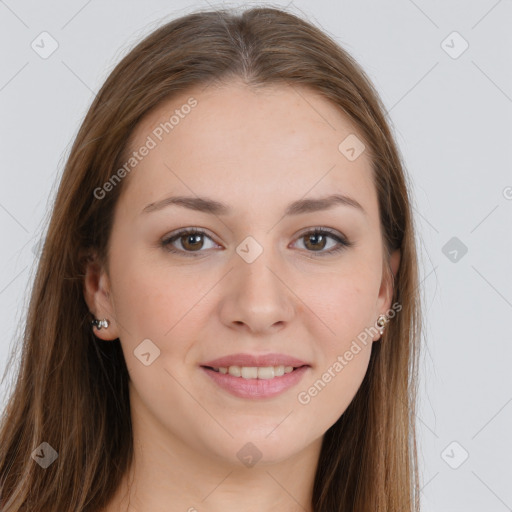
(72, 392)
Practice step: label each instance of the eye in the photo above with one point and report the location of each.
(317, 239)
(189, 239)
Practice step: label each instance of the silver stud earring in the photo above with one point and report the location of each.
(100, 323)
(381, 322)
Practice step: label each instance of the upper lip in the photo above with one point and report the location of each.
(250, 360)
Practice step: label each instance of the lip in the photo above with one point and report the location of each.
(250, 360)
(256, 388)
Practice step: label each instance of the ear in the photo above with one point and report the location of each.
(387, 284)
(97, 296)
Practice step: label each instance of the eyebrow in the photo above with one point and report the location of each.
(206, 205)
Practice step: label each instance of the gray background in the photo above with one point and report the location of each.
(452, 116)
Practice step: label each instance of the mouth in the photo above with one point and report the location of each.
(256, 382)
(255, 372)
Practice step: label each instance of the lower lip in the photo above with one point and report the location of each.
(256, 388)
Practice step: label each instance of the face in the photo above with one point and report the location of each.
(255, 280)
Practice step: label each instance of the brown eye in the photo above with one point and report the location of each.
(317, 240)
(190, 240)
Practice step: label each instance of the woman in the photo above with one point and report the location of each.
(226, 311)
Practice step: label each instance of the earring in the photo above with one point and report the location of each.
(381, 322)
(100, 323)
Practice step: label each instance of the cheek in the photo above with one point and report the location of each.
(345, 304)
(343, 346)
(158, 302)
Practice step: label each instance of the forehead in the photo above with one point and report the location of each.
(276, 143)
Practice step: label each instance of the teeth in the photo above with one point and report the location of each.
(254, 372)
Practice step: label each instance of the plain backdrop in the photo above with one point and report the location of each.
(443, 70)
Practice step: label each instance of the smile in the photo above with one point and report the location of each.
(256, 382)
(255, 372)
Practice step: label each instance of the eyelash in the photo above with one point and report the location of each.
(343, 243)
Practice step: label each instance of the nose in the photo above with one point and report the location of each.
(256, 298)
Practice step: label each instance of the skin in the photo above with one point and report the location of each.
(256, 151)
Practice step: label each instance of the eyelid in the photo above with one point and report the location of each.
(334, 232)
